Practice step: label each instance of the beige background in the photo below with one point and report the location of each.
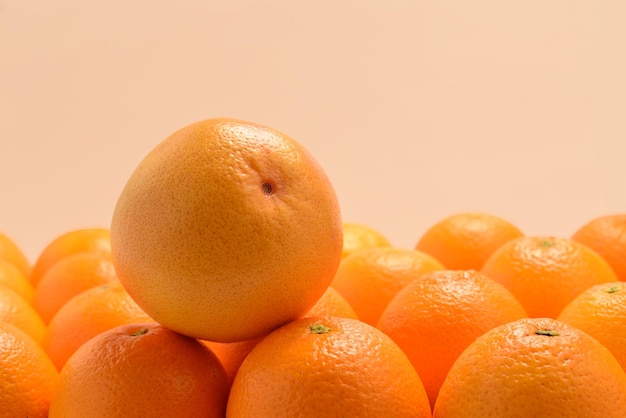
(416, 109)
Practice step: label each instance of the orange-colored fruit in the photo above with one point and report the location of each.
(86, 315)
(435, 317)
(233, 354)
(369, 278)
(607, 236)
(357, 236)
(11, 252)
(17, 311)
(535, 367)
(332, 304)
(600, 311)
(71, 242)
(465, 240)
(70, 276)
(27, 376)
(327, 366)
(227, 230)
(141, 370)
(12, 277)
(545, 273)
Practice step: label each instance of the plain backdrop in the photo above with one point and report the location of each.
(415, 109)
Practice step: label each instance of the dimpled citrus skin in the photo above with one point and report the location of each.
(436, 316)
(512, 371)
(86, 315)
(327, 367)
(369, 278)
(545, 272)
(141, 370)
(27, 376)
(600, 311)
(226, 230)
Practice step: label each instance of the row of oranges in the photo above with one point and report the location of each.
(492, 309)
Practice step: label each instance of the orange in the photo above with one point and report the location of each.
(435, 317)
(27, 376)
(227, 230)
(71, 242)
(545, 273)
(86, 315)
(600, 311)
(465, 240)
(332, 304)
(69, 277)
(17, 311)
(12, 277)
(535, 367)
(327, 367)
(357, 236)
(233, 354)
(607, 236)
(369, 278)
(11, 252)
(141, 370)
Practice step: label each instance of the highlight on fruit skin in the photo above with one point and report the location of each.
(534, 367)
(226, 230)
(325, 366)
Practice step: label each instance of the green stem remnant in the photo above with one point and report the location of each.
(613, 289)
(319, 329)
(548, 332)
(139, 332)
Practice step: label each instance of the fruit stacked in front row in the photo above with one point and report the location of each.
(227, 285)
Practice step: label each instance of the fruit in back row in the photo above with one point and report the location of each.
(227, 230)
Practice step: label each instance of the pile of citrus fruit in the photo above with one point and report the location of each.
(228, 285)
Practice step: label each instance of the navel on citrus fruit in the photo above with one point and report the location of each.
(607, 236)
(141, 370)
(327, 366)
(600, 311)
(534, 367)
(370, 277)
(227, 230)
(27, 376)
(545, 273)
(465, 240)
(436, 316)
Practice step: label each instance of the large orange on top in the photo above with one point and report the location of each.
(227, 230)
